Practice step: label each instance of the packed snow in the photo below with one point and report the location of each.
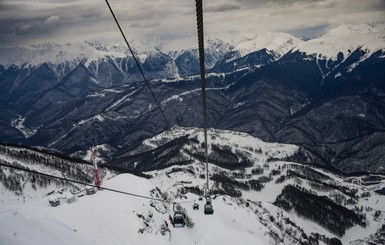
(108, 217)
(113, 218)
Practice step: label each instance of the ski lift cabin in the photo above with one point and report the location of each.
(208, 208)
(195, 206)
(90, 190)
(179, 220)
(179, 217)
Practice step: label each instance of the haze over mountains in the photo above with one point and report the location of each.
(325, 95)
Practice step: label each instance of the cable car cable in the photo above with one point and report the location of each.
(87, 184)
(199, 16)
(208, 208)
(80, 182)
(142, 73)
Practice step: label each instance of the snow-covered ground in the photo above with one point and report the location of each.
(114, 218)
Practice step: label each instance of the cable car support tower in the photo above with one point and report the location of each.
(98, 180)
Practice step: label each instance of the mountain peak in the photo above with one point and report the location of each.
(371, 27)
(277, 42)
(343, 38)
(369, 36)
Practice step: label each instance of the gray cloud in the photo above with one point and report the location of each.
(26, 22)
(309, 32)
(221, 7)
(144, 25)
(284, 2)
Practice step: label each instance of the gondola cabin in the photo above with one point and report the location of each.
(179, 220)
(195, 206)
(208, 209)
(90, 190)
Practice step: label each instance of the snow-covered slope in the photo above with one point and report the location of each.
(277, 42)
(226, 138)
(54, 53)
(113, 218)
(71, 54)
(103, 59)
(244, 213)
(347, 38)
(227, 148)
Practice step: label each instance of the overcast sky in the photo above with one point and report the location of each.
(35, 21)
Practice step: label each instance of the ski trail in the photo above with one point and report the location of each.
(320, 69)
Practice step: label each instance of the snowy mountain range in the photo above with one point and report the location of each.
(345, 38)
(325, 95)
(257, 203)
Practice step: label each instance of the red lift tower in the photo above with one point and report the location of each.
(98, 181)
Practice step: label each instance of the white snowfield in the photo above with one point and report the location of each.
(346, 38)
(278, 42)
(112, 218)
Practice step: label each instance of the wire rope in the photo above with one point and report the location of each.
(199, 16)
(80, 182)
(142, 74)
